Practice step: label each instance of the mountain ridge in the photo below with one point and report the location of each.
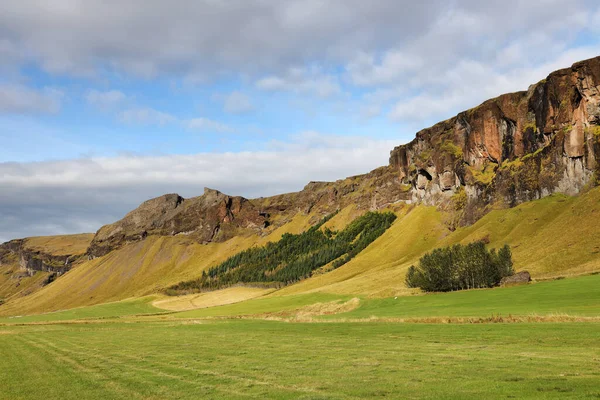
(508, 150)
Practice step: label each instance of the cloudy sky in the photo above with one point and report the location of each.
(104, 104)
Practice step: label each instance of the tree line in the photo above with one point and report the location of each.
(461, 267)
(294, 257)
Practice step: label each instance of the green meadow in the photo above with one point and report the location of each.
(132, 350)
(241, 359)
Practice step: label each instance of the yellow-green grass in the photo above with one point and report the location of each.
(379, 269)
(274, 360)
(15, 282)
(343, 218)
(209, 299)
(551, 237)
(139, 269)
(261, 306)
(554, 236)
(108, 310)
(60, 244)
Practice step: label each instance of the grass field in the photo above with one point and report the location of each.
(107, 310)
(262, 359)
(131, 349)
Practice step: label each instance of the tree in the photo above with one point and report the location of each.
(460, 267)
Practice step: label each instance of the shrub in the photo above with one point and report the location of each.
(460, 267)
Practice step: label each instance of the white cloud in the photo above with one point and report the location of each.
(366, 70)
(105, 99)
(80, 195)
(205, 124)
(236, 103)
(146, 116)
(469, 83)
(301, 80)
(19, 99)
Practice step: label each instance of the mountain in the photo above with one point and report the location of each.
(514, 148)
(478, 175)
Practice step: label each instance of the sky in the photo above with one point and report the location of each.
(105, 104)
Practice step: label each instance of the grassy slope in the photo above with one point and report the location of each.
(259, 359)
(554, 236)
(574, 296)
(60, 244)
(137, 270)
(550, 237)
(14, 281)
(210, 299)
(578, 296)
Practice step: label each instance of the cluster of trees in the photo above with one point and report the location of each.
(293, 257)
(461, 267)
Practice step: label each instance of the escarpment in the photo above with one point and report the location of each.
(213, 216)
(22, 259)
(216, 217)
(514, 148)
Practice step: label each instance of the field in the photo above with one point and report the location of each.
(265, 359)
(107, 351)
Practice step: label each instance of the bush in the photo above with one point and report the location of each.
(460, 267)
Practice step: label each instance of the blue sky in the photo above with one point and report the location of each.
(103, 106)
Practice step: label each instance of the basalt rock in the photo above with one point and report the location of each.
(514, 148)
(216, 217)
(213, 216)
(32, 261)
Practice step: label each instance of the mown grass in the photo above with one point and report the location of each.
(261, 359)
(107, 310)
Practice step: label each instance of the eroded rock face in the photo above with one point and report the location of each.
(514, 148)
(32, 261)
(213, 216)
(511, 149)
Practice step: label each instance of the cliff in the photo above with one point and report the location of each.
(514, 148)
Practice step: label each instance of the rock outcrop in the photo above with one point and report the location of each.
(520, 278)
(33, 261)
(514, 148)
(213, 216)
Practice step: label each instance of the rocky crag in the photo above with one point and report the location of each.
(23, 258)
(514, 148)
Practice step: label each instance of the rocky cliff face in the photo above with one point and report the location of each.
(32, 261)
(213, 216)
(511, 149)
